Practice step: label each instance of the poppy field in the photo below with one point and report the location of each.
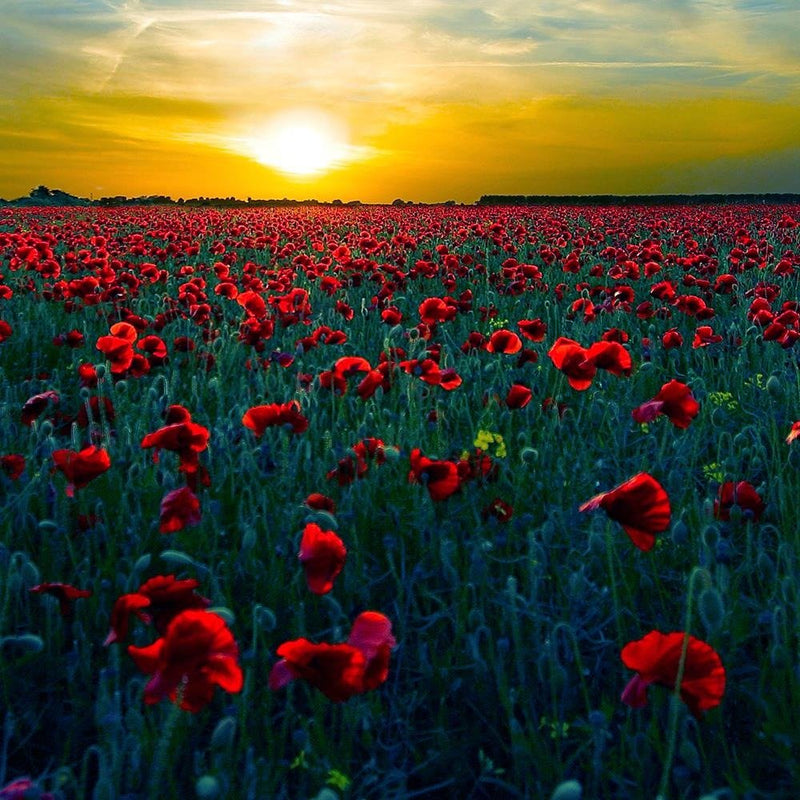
(379, 502)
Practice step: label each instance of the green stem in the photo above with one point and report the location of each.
(161, 756)
(698, 573)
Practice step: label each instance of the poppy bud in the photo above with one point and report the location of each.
(142, 563)
(29, 573)
(710, 536)
(529, 455)
(567, 790)
(778, 656)
(121, 387)
(100, 370)
(24, 644)
(47, 526)
(774, 387)
(265, 618)
(711, 609)
(225, 613)
(207, 788)
(765, 567)
(223, 734)
(680, 533)
(248, 540)
(177, 557)
(689, 755)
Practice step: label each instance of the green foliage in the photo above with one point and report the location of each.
(507, 676)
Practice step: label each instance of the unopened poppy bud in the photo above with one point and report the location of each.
(142, 563)
(248, 540)
(223, 734)
(46, 429)
(225, 613)
(29, 573)
(207, 788)
(710, 536)
(765, 567)
(121, 388)
(529, 455)
(778, 656)
(568, 790)
(100, 370)
(22, 645)
(47, 526)
(711, 609)
(689, 755)
(774, 387)
(680, 533)
(265, 618)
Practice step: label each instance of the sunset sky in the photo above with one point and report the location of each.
(425, 100)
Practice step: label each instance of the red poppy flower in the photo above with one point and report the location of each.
(181, 436)
(118, 346)
(23, 788)
(5, 330)
(671, 339)
(155, 348)
(81, 467)
(259, 418)
(434, 309)
(656, 659)
(87, 375)
(741, 494)
(518, 396)
(704, 335)
(499, 509)
(610, 356)
(449, 379)
(64, 592)
(13, 465)
(322, 554)
(440, 477)
(196, 653)
(73, 338)
(124, 606)
(640, 505)
(572, 359)
(794, 432)
(339, 671)
(504, 341)
(169, 596)
(179, 508)
(35, 405)
(533, 329)
(320, 501)
(674, 400)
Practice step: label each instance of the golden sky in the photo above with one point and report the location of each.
(426, 100)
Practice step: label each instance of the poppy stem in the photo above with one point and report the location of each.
(698, 573)
(614, 590)
(161, 755)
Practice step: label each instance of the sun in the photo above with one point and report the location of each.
(300, 144)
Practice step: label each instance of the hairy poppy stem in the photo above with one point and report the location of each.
(160, 757)
(614, 590)
(698, 573)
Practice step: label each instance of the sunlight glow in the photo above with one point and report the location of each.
(301, 144)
